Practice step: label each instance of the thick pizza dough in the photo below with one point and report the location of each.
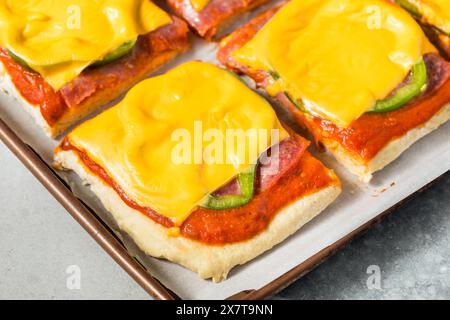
(208, 261)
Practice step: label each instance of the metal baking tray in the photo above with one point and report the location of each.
(107, 239)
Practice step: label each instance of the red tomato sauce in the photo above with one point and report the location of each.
(220, 227)
(34, 89)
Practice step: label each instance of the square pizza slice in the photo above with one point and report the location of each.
(209, 181)
(361, 76)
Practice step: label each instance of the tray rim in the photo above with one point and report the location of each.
(106, 238)
(320, 257)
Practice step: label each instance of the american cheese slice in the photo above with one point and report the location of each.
(199, 4)
(338, 56)
(59, 39)
(435, 12)
(139, 141)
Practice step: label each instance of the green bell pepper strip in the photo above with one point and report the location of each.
(297, 103)
(411, 8)
(18, 60)
(408, 6)
(118, 53)
(407, 93)
(236, 76)
(246, 182)
(275, 75)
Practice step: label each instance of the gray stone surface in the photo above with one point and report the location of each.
(39, 241)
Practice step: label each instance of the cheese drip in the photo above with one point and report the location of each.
(337, 56)
(195, 106)
(434, 12)
(199, 4)
(59, 39)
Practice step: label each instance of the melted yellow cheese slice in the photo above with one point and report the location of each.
(434, 12)
(199, 4)
(59, 39)
(195, 107)
(338, 56)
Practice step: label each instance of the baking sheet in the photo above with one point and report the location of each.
(359, 203)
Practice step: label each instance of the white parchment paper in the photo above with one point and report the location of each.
(422, 163)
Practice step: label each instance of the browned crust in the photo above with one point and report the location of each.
(215, 16)
(98, 86)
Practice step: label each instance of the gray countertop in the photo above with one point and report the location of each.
(407, 256)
